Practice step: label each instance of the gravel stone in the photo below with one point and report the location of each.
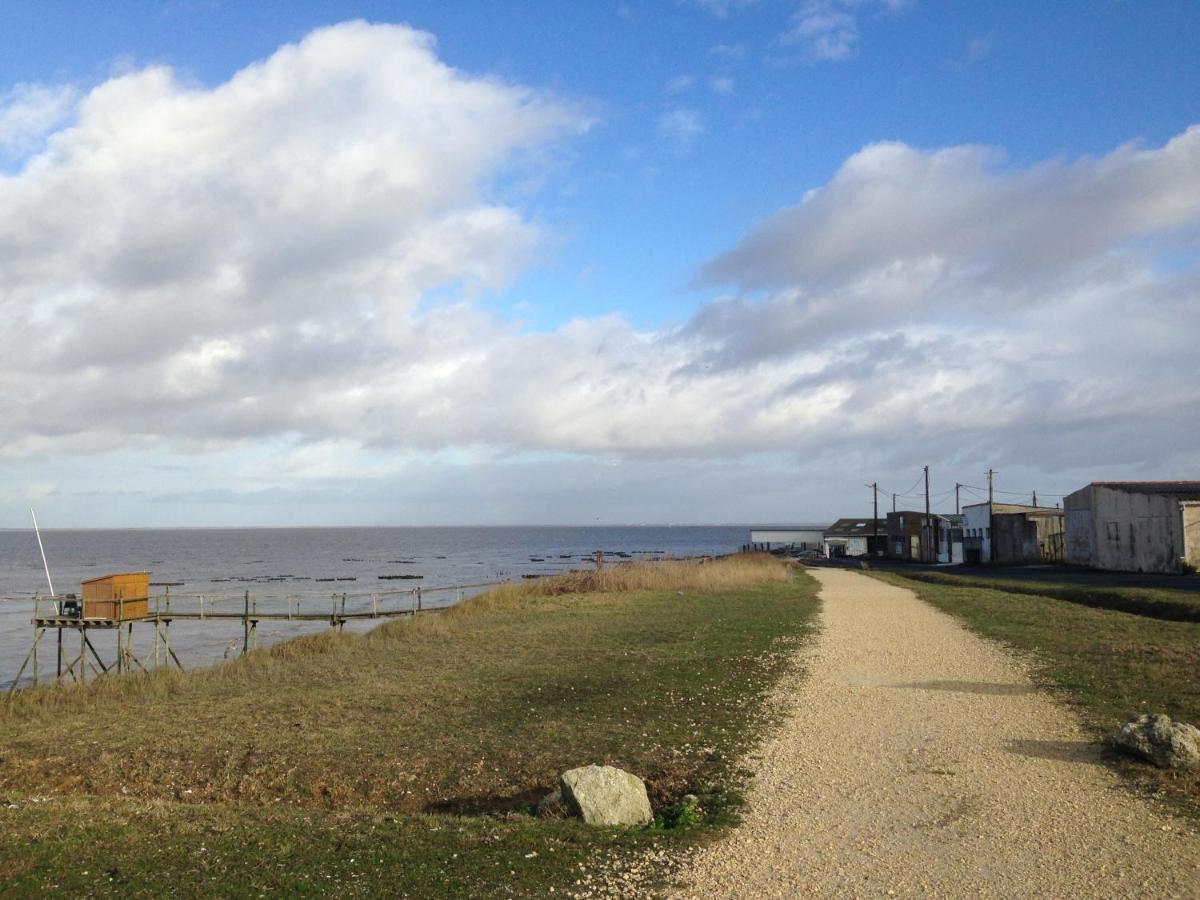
(918, 759)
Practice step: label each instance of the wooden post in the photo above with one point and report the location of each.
(418, 598)
(374, 606)
(37, 636)
(120, 648)
(246, 624)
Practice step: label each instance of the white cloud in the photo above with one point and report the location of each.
(681, 126)
(892, 205)
(722, 8)
(728, 53)
(679, 84)
(294, 258)
(1049, 310)
(721, 84)
(828, 30)
(28, 112)
(979, 47)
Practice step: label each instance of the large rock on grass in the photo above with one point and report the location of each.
(1167, 744)
(604, 795)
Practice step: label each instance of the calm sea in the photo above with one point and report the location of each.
(301, 568)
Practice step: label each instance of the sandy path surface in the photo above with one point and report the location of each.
(918, 759)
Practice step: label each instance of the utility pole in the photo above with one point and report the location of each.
(926, 555)
(957, 510)
(893, 502)
(991, 520)
(875, 516)
(1035, 499)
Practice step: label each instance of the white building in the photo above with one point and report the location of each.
(794, 537)
(855, 537)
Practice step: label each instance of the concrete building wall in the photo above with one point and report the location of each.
(1081, 528)
(845, 546)
(1190, 515)
(808, 537)
(1130, 531)
(977, 526)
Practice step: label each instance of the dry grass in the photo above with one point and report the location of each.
(416, 750)
(723, 573)
(720, 574)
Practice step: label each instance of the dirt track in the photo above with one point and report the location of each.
(918, 759)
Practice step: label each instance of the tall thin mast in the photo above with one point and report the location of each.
(45, 564)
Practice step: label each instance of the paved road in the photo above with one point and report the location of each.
(917, 759)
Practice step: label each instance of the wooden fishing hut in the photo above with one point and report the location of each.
(123, 596)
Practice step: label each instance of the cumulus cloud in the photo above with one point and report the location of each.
(295, 258)
(28, 112)
(226, 261)
(893, 212)
(992, 306)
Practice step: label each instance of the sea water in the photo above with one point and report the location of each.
(302, 569)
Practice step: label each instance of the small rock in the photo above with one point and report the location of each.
(604, 795)
(1167, 744)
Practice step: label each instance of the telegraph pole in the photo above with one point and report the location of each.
(957, 510)
(991, 520)
(875, 523)
(893, 502)
(926, 556)
(1035, 499)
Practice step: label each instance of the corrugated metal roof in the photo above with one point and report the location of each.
(860, 527)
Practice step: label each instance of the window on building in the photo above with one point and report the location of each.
(1113, 530)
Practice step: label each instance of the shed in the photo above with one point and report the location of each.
(1135, 526)
(125, 595)
(796, 537)
(862, 536)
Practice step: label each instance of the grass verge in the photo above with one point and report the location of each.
(1108, 663)
(1157, 603)
(404, 762)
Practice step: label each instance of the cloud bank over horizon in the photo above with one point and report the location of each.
(298, 259)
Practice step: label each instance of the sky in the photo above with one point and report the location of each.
(687, 261)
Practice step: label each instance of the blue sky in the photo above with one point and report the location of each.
(645, 232)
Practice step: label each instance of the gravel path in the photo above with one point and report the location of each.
(918, 759)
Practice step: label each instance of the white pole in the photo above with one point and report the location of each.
(45, 564)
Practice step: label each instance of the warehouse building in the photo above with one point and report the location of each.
(1134, 526)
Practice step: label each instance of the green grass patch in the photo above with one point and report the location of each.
(404, 762)
(1108, 663)
(1158, 603)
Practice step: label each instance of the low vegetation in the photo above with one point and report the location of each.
(406, 761)
(1107, 662)
(1157, 603)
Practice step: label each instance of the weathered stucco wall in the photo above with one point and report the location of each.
(1136, 532)
(1081, 527)
(1191, 532)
